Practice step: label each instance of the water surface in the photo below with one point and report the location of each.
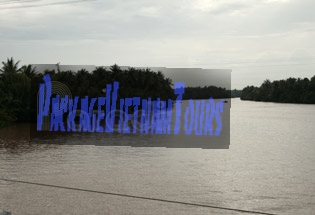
(269, 167)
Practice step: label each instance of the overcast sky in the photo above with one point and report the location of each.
(259, 39)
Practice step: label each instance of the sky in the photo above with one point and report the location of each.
(257, 40)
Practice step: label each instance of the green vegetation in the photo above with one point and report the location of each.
(209, 91)
(19, 87)
(285, 91)
(236, 93)
(15, 88)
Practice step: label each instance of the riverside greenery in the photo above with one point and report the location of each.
(19, 87)
(291, 90)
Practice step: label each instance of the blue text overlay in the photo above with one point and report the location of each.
(201, 117)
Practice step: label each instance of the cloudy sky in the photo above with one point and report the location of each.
(259, 39)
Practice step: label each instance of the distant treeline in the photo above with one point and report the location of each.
(209, 91)
(19, 87)
(291, 90)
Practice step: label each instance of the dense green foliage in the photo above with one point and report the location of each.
(290, 90)
(19, 87)
(133, 82)
(15, 88)
(205, 92)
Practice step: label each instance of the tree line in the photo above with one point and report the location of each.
(19, 87)
(291, 90)
(209, 91)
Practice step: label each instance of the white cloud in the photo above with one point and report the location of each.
(165, 33)
(150, 11)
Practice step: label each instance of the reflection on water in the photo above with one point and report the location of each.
(15, 133)
(16, 139)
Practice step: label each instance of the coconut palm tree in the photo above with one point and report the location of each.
(10, 67)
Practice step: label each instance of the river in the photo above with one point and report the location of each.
(269, 167)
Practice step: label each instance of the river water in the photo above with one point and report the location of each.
(269, 167)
